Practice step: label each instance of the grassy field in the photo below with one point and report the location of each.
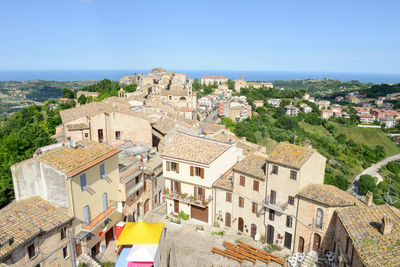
(369, 136)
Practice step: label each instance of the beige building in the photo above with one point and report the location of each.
(294, 167)
(35, 233)
(239, 196)
(87, 94)
(84, 180)
(104, 122)
(191, 166)
(240, 83)
(316, 218)
(213, 79)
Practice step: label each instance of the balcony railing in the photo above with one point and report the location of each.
(280, 207)
(189, 199)
(135, 188)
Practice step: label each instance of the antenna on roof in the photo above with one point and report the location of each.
(72, 143)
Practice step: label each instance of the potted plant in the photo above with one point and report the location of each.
(200, 229)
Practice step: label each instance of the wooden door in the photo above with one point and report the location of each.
(199, 213)
(176, 206)
(253, 230)
(109, 235)
(288, 240)
(316, 241)
(270, 234)
(240, 224)
(78, 248)
(227, 219)
(146, 206)
(301, 245)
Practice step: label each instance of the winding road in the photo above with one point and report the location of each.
(373, 171)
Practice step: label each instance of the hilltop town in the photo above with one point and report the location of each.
(235, 172)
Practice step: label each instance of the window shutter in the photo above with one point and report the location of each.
(191, 170)
(255, 185)
(172, 186)
(177, 167)
(86, 215)
(105, 204)
(167, 165)
(202, 173)
(195, 191)
(83, 181)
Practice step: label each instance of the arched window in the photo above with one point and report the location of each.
(320, 217)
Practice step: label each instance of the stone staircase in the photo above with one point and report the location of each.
(311, 259)
(88, 260)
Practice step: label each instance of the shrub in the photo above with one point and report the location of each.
(221, 233)
(107, 264)
(367, 183)
(81, 264)
(182, 215)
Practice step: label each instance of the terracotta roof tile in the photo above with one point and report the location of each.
(195, 149)
(225, 181)
(290, 155)
(363, 227)
(68, 160)
(25, 219)
(253, 164)
(329, 195)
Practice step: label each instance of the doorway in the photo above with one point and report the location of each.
(270, 234)
(227, 219)
(176, 206)
(253, 230)
(240, 224)
(316, 242)
(100, 135)
(301, 245)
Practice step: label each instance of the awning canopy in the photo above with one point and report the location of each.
(122, 262)
(140, 264)
(142, 253)
(141, 233)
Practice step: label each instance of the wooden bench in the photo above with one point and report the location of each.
(243, 254)
(223, 253)
(262, 257)
(272, 257)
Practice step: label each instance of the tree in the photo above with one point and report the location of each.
(130, 88)
(394, 167)
(82, 99)
(68, 93)
(367, 183)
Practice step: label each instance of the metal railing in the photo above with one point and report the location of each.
(273, 204)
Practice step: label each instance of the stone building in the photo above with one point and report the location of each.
(316, 216)
(87, 94)
(240, 83)
(239, 196)
(104, 122)
(35, 233)
(191, 165)
(83, 179)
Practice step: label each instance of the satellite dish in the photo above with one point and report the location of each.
(72, 143)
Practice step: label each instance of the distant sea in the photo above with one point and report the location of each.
(79, 75)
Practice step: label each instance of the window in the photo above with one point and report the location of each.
(137, 180)
(105, 202)
(199, 172)
(31, 251)
(144, 185)
(65, 252)
(275, 169)
(289, 221)
(102, 171)
(288, 240)
(86, 215)
(117, 135)
(254, 207)
(256, 185)
(199, 193)
(84, 186)
(89, 237)
(175, 167)
(86, 135)
(273, 197)
(293, 175)
(155, 182)
(242, 181)
(63, 232)
(241, 202)
(271, 215)
(320, 216)
(291, 200)
(228, 197)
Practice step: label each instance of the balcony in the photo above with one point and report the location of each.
(101, 217)
(188, 199)
(279, 207)
(134, 189)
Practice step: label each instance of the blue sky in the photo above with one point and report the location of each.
(320, 35)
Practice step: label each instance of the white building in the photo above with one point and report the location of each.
(275, 102)
(191, 165)
(213, 79)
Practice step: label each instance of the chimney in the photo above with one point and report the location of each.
(307, 144)
(387, 225)
(369, 197)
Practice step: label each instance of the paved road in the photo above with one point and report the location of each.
(211, 116)
(373, 171)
